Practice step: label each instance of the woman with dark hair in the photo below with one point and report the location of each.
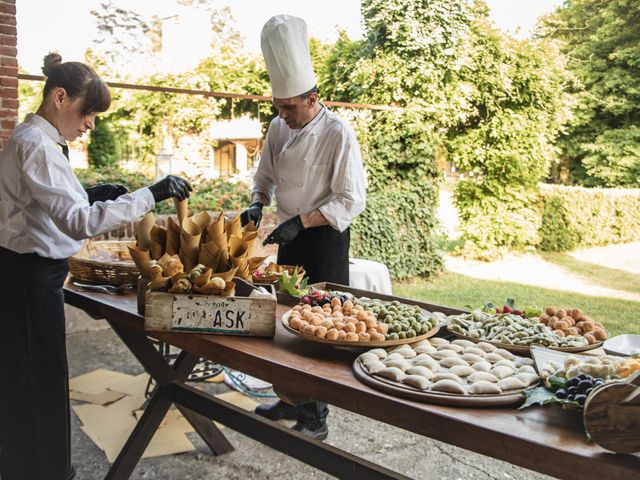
(45, 215)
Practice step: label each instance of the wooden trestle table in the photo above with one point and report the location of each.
(539, 438)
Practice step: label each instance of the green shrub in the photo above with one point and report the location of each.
(103, 147)
(579, 217)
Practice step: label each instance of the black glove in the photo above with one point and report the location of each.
(170, 186)
(286, 232)
(102, 193)
(253, 213)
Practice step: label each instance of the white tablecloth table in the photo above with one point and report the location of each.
(369, 275)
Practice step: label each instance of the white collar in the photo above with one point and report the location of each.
(44, 125)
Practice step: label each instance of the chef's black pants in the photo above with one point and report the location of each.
(324, 254)
(34, 397)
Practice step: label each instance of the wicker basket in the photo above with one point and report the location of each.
(106, 262)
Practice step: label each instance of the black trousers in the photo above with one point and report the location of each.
(34, 396)
(324, 254)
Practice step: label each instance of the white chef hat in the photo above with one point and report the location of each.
(285, 48)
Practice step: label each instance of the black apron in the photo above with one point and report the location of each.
(34, 397)
(322, 251)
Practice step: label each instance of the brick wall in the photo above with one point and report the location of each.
(8, 69)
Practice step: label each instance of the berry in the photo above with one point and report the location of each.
(573, 382)
(572, 390)
(561, 394)
(580, 399)
(584, 384)
(507, 309)
(518, 312)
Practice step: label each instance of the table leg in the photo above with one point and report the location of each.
(211, 434)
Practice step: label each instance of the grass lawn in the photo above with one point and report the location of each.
(455, 290)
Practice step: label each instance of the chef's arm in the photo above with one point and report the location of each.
(314, 218)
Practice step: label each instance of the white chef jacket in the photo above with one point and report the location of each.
(43, 207)
(316, 167)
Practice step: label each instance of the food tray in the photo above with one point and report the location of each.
(275, 278)
(526, 349)
(91, 264)
(342, 343)
(405, 391)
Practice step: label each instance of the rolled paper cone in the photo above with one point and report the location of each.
(188, 259)
(223, 245)
(190, 243)
(249, 228)
(251, 238)
(160, 284)
(142, 258)
(173, 237)
(255, 262)
(158, 241)
(216, 227)
(228, 275)
(233, 227)
(202, 219)
(237, 246)
(209, 259)
(243, 272)
(182, 208)
(203, 278)
(142, 230)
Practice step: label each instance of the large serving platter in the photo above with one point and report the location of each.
(443, 398)
(525, 350)
(342, 343)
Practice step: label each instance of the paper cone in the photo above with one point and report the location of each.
(202, 219)
(222, 244)
(237, 246)
(160, 284)
(255, 262)
(228, 275)
(142, 230)
(173, 237)
(216, 227)
(233, 227)
(209, 256)
(251, 238)
(142, 258)
(181, 209)
(229, 290)
(158, 241)
(190, 243)
(249, 228)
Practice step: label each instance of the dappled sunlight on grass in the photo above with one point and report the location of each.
(456, 290)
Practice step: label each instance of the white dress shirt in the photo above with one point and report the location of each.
(43, 207)
(316, 167)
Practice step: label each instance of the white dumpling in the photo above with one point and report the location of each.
(482, 376)
(506, 363)
(417, 370)
(367, 356)
(393, 356)
(525, 361)
(471, 358)
(486, 347)
(406, 351)
(439, 342)
(425, 348)
(429, 363)
(484, 387)
(475, 351)
(374, 366)
(502, 371)
(527, 369)
(392, 373)
(400, 363)
(449, 362)
(463, 343)
(446, 385)
(422, 356)
(492, 357)
(482, 366)
(447, 376)
(440, 354)
(462, 370)
(451, 346)
(380, 352)
(511, 383)
(504, 353)
(528, 378)
(416, 381)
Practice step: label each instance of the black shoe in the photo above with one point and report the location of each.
(278, 411)
(316, 430)
(72, 472)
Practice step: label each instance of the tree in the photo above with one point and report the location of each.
(103, 148)
(602, 42)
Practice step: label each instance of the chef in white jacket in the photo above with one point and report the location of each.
(45, 215)
(311, 164)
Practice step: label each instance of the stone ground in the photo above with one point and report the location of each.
(410, 454)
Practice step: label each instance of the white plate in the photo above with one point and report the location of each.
(622, 344)
(544, 357)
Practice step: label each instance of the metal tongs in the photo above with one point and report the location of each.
(110, 289)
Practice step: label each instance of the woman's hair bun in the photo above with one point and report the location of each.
(51, 61)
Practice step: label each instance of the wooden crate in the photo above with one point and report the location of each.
(238, 315)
